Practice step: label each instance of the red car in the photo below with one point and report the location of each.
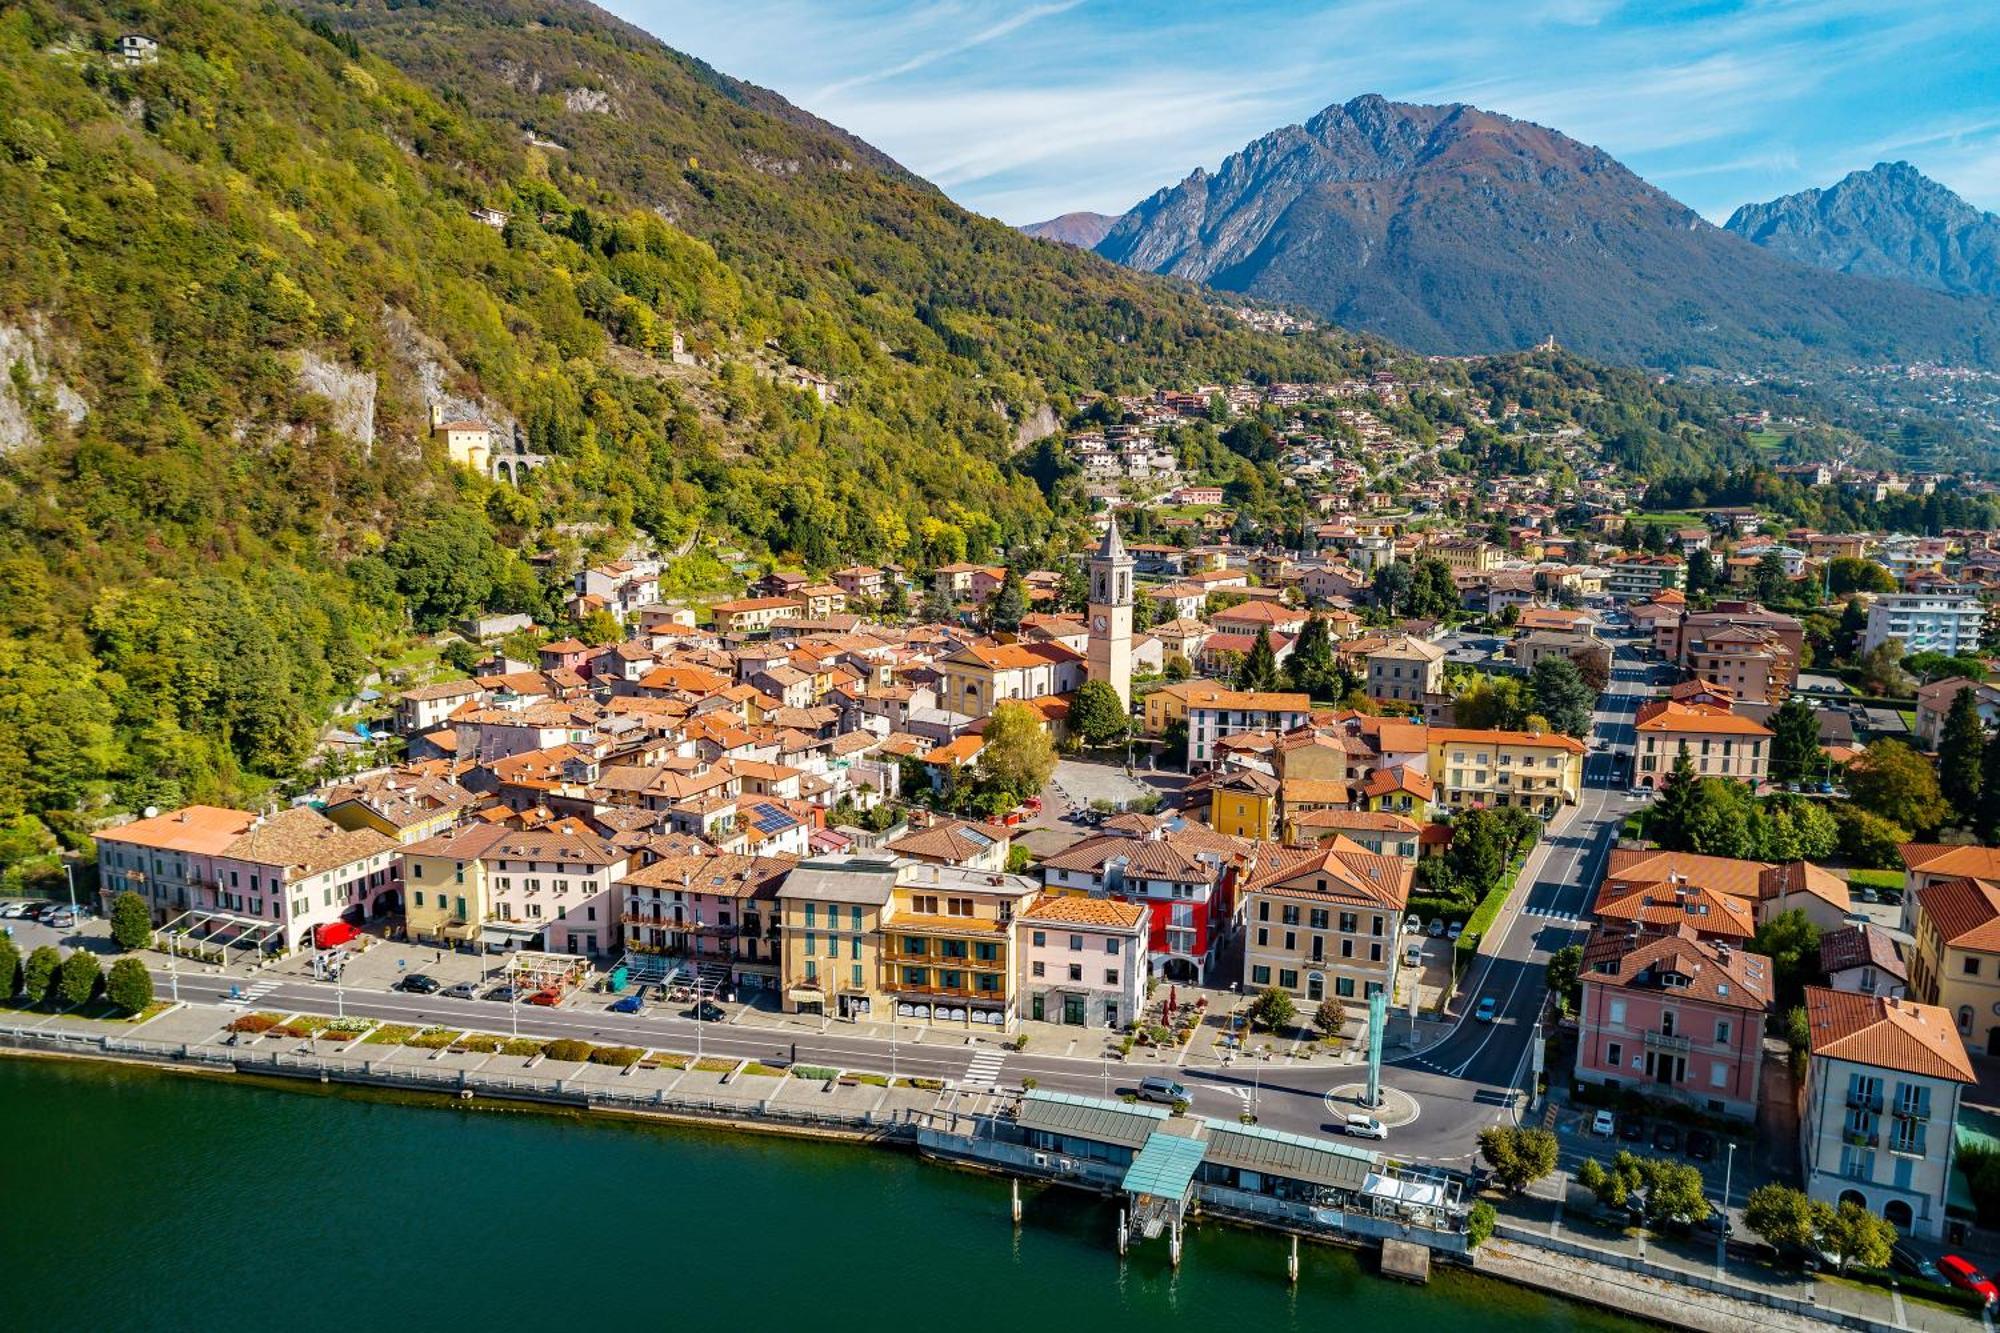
(1967, 1278)
(548, 996)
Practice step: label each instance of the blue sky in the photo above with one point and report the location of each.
(1027, 108)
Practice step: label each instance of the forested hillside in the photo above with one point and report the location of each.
(238, 278)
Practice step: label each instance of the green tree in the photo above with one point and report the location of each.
(1564, 976)
(1479, 849)
(1519, 1157)
(1479, 1224)
(1009, 604)
(1868, 839)
(1847, 634)
(1492, 703)
(10, 967)
(1612, 1185)
(1769, 579)
(131, 921)
(78, 977)
(1096, 715)
(1562, 696)
(1174, 743)
(1018, 753)
(1700, 578)
(1853, 1235)
(129, 986)
(1273, 1010)
(1313, 669)
(937, 608)
(1795, 750)
(1893, 781)
(1961, 755)
(1791, 942)
(1674, 1192)
(1330, 1017)
(38, 974)
(1781, 1215)
(600, 628)
(1391, 586)
(1668, 821)
(1847, 574)
(1259, 671)
(1882, 669)
(1177, 669)
(895, 599)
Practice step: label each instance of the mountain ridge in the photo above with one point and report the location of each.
(1453, 229)
(1080, 229)
(1888, 221)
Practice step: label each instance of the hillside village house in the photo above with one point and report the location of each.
(1956, 961)
(1882, 1094)
(752, 615)
(445, 884)
(1405, 670)
(424, 708)
(1083, 960)
(1325, 922)
(168, 859)
(1675, 1017)
(1214, 714)
(1183, 876)
(720, 912)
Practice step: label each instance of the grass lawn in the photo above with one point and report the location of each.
(1678, 518)
(763, 1071)
(1876, 879)
(1764, 439)
(715, 1065)
(390, 1034)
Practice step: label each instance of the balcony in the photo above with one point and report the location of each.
(1660, 1041)
(1865, 1101)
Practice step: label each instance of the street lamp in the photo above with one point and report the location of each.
(340, 1004)
(69, 873)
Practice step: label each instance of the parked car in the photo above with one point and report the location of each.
(1488, 1010)
(60, 919)
(629, 1004)
(1413, 924)
(11, 910)
(1961, 1274)
(1457, 929)
(1666, 1137)
(708, 1011)
(1413, 954)
(1866, 894)
(1701, 1145)
(1632, 1129)
(1158, 1088)
(460, 990)
(548, 997)
(418, 984)
(504, 993)
(1904, 1259)
(1436, 931)
(1365, 1127)
(1603, 1124)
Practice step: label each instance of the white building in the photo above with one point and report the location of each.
(1882, 1093)
(1925, 622)
(1214, 714)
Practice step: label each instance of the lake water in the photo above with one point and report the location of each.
(137, 1199)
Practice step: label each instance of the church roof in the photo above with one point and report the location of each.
(1113, 546)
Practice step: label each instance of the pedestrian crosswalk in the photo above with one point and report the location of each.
(254, 993)
(984, 1071)
(1552, 914)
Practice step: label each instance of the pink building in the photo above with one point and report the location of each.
(1083, 960)
(1674, 1017)
(298, 869)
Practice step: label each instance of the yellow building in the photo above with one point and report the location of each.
(830, 913)
(445, 891)
(1167, 705)
(399, 804)
(1505, 768)
(1243, 803)
(1325, 922)
(1399, 791)
(467, 443)
(1956, 923)
(948, 945)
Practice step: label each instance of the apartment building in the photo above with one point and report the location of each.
(751, 615)
(832, 912)
(720, 912)
(557, 888)
(1184, 877)
(1083, 960)
(1674, 1017)
(1538, 772)
(1637, 578)
(1324, 922)
(300, 870)
(1956, 962)
(1214, 714)
(1926, 622)
(1882, 1093)
(948, 945)
(1718, 742)
(445, 883)
(1405, 670)
(168, 859)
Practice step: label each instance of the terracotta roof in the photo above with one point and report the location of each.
(304, 840)
(1075, 909)
(1861, 946)
(1249, 701)
(1340, 870)
(1804, 877)
(1965, 911)
(1378, 821)
(1664, 906)
(203, 830)
(1939, 859)
(1712, 973)
(1673, 716)
(1385, 781)
(956, 841)
(1882, 1033)
(721, 875)
(1550, 740)
(1725, 874)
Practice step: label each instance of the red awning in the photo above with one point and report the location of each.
(333, 934)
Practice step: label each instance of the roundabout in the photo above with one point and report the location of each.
(1398, 1108)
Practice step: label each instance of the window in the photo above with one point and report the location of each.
(1291, 941)
(1317, 918)
(1111, 976)
(1038, 969)
(1291, 917)
(1349, 922)
(1260, 975)
(1971, 966)
(1344, 987)
(1111, 947)
(418, 898)
(1617, 1011)
(1264, 910)
(915, 976)
(1614, 1055)
(1076, 944)
(812, 944)
(1288, 978)
(1718, 1075)
(1721, 1032)
(857, 982)
(1076, 971)
(1263, 937)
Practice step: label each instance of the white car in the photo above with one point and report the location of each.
(1603, 1124)
(1366, 1127)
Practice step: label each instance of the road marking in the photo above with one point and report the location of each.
(251, 996)
(984, 1070)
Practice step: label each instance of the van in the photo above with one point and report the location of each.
(1155, 1088)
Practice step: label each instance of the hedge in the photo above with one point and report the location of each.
(1488, 911)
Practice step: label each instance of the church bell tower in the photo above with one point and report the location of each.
(1111, 615)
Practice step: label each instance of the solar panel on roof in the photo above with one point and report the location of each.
(975, 836)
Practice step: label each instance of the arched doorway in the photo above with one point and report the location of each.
(1180, 969)
(1854, 1196)
(1897, 1214)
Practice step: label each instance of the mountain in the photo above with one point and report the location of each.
(1890, 221)
(1083, 230)
(1452, 229)
(242, 274)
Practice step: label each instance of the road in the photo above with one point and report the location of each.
(1461, 1084)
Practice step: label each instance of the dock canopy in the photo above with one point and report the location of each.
(1271, 1152)
(1165, 1166)
(1066, 1115)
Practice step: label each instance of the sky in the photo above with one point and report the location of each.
(1023, 109)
